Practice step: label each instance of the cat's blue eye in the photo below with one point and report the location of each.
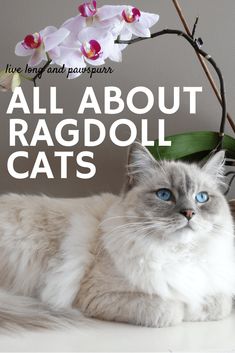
(164, 194)
(202, 197)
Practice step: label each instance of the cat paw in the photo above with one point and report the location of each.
(169, 314)
(218, 307)
(214, 308)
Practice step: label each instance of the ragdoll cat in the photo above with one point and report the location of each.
(158, 254)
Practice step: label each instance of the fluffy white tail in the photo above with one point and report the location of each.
(26, 312)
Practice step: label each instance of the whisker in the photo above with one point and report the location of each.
(117, 217)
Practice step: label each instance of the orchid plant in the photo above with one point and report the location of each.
(86, 39)
(96, 34)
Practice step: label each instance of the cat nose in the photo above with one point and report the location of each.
(189, 213)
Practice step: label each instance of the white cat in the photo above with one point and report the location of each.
(160, 253)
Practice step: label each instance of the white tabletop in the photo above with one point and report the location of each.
(100, 336)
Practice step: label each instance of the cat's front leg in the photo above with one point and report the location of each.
(133, 308)
(213, 308)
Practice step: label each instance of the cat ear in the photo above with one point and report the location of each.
(215, 165)
(139, 160)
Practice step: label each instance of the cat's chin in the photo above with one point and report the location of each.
(188, 233)
(187, 226)
(184, 233)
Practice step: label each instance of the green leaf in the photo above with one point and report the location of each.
(192, 146)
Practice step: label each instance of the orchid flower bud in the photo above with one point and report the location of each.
(9, 81)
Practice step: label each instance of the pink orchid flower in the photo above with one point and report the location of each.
(88, 9)
(120, 21)
(38, 45)
(87, 16)
(132, 21)
(92, 47)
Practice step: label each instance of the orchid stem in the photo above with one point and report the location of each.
(34, 79)
(194, 27)
(208, 57)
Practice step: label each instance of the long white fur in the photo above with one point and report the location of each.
(101, 256)
(188, 273)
